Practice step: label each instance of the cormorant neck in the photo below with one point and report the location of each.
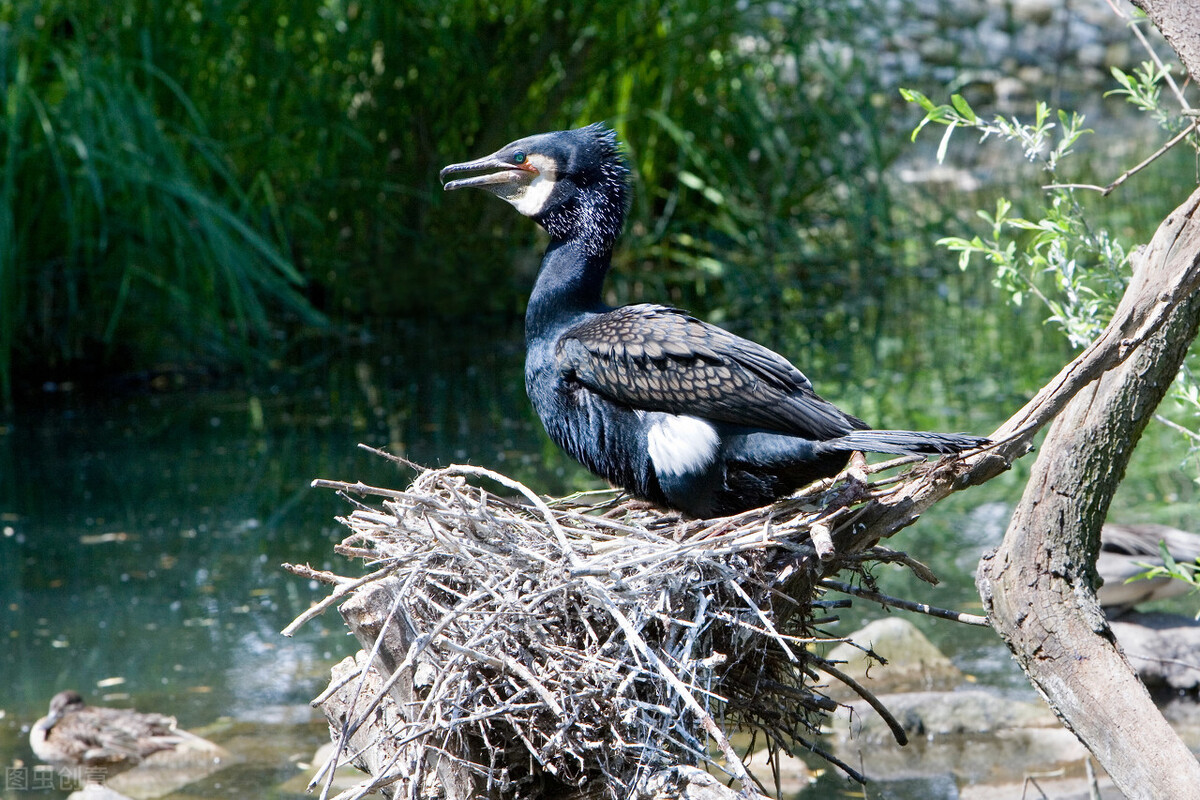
(568, 284)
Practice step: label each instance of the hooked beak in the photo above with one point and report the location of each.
(504, 181)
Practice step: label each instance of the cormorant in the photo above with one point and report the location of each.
(674, 410)
(101, 741)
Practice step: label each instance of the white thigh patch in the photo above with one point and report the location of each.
(680, 444)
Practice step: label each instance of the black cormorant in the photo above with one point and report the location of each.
(674, 410)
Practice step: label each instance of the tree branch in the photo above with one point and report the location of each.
(1038, 586)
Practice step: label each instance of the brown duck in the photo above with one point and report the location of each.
(100, 741)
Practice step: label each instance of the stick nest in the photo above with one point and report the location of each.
(556, 646)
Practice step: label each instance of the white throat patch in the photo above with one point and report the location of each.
(533, 199)
(680, 445)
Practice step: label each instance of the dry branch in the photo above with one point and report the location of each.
(1037, 587)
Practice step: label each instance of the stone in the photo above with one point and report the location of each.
(1163, 648)
(974, 735)
(914, 663)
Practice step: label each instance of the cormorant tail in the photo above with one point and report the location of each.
(906, 442)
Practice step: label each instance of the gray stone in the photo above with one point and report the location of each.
(1163, 648)
(974, 735)
(914, 663)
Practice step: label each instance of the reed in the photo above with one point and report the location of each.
(124, 234)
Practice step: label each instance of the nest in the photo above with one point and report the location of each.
(574, 646)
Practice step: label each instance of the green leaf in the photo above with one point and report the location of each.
(1171, 564)
(691, 180)
(913, 96)
(963, 107)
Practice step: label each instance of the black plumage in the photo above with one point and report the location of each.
(673, 409)
(661, 359)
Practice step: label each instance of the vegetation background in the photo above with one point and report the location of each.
(213, 188)
(212, 183)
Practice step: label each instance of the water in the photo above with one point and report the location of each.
(142, 527)
(142, 531)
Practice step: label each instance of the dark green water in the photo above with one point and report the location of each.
(142, 530)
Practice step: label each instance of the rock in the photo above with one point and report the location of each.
(793, 774)
(973, 735)
(931, 715)
(1163, 648)
(95, 791)
(1076, 788)
(913, 661)
(168, 771)
(1183, 712)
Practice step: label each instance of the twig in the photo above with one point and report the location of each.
(897, 729)
(1129, 173)
(907, 605)
(334, 687)
(357, 487)
(345, 587)
(401, 460)
(888, 556)
(1162, 68)
(506, 664)
(1188, 432)
(854, 774)
(733, 760)
(1093, 784)
(822, 540)
(305, 571)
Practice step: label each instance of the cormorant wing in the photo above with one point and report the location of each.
(661, 359)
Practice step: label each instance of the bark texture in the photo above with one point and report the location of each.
(1179, 22)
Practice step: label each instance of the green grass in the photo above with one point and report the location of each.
(124, 234)
(174, 169)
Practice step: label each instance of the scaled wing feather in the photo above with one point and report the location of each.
(661, 359)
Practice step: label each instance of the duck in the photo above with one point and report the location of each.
(99, 743)
(674, 410)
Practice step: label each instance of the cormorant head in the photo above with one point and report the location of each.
(573, 183)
